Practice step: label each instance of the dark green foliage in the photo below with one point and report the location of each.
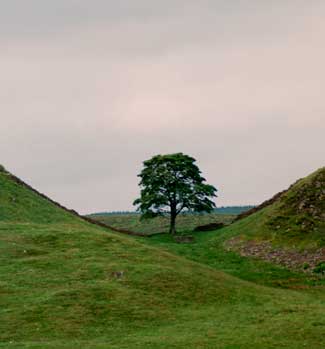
(210, 227)
(233, 209)
(173, 183)
(305, 266)
(320, 268)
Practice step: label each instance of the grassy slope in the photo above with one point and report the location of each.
(286, 223)
(20, 204)
(161, 224)
(59, 289)
(209, 249)
(297, 219)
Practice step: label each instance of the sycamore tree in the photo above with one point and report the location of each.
(171, 184)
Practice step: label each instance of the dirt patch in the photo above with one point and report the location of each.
(292, 259)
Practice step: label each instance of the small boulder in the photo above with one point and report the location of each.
(118, 274)
(184, 239)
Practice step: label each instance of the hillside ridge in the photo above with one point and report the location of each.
(73, 212)
(288, 229)
(277, 197)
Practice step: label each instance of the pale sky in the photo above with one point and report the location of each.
(91, 89)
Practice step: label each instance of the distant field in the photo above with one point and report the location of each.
(161, 224)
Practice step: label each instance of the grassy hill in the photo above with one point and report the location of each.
(289, 231)
(21, 203)
(297, 215)
(65, 283)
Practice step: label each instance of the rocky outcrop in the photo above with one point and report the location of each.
(306, 260)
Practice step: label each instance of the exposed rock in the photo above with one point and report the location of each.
(297, 214)
(118, 274)
(290, 258)
(184, 239)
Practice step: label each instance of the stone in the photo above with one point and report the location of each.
(184, 239)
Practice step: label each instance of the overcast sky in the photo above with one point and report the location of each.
(91, 89)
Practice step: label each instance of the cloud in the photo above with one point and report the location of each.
(89, 91)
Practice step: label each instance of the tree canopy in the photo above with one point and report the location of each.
(171, 184)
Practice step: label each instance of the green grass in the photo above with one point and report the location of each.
(209, 249)
(20, 204)
(281, 224)
(59, 288)
(158, 225)
(297, 219)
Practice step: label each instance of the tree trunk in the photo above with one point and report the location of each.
(172, 229)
